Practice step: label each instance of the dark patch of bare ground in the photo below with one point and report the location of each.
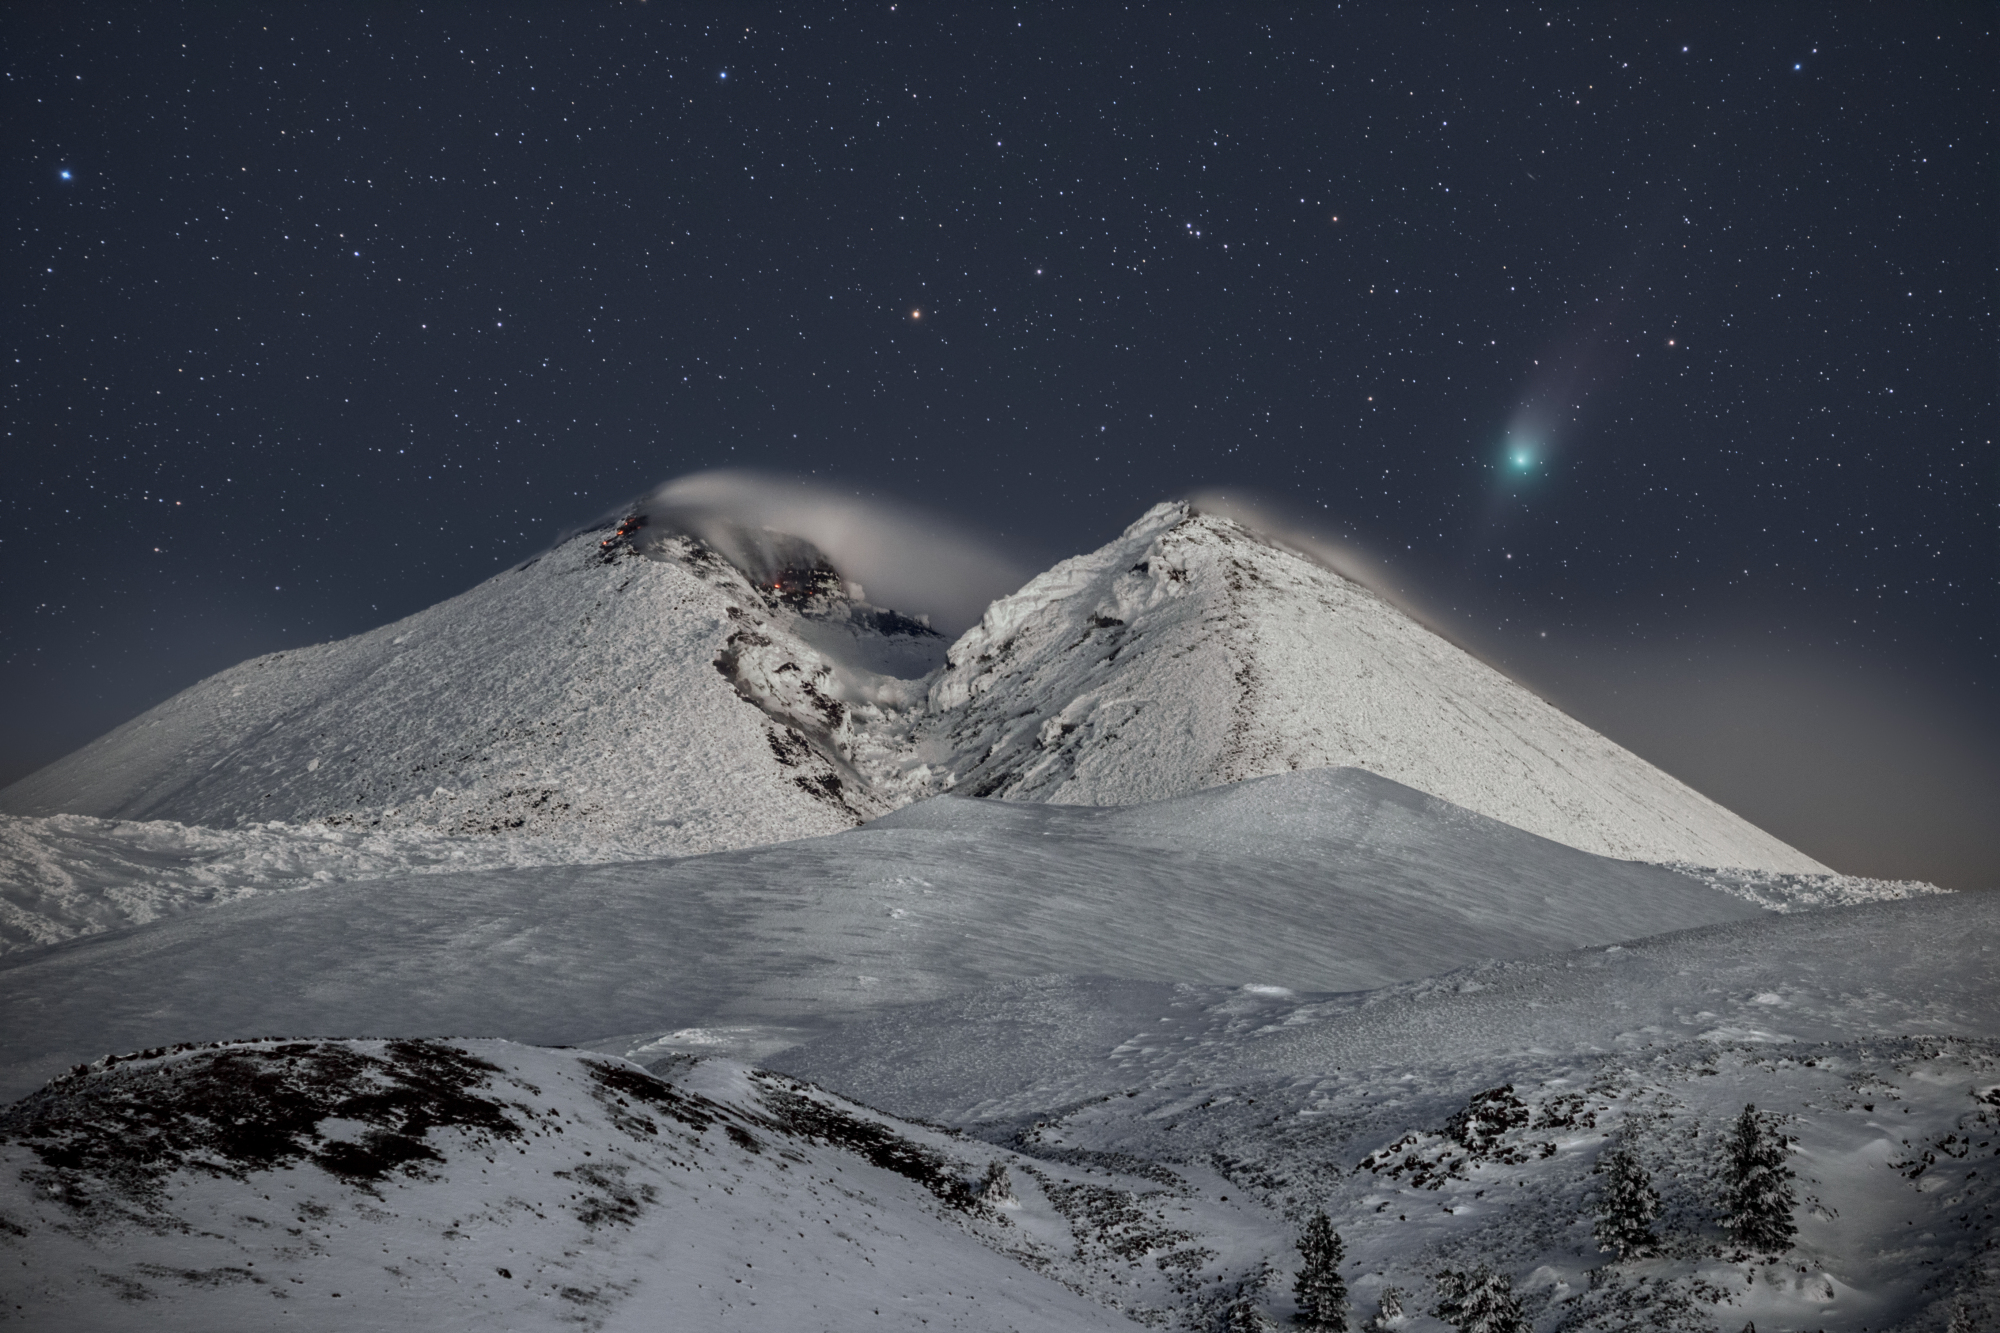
(111, 1133)
(794, 1111)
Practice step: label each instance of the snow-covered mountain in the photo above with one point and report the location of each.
(1289, 906)
(1192, 652)
(697, 693)
(595, 692)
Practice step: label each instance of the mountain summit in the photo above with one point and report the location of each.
(630, 683)
(1193, 651)
(718, 689)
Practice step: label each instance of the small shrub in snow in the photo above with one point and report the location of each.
(1626, 1206)
(1481, 1301)
(1388, 1311)
(1245, 1313)
(1486, 1117)
(1246, 1317)
(1757, 1196)
(1321, 1294)
(995, 1188)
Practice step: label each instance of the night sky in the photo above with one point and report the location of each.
(1650, 352)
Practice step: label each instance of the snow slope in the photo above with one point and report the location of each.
(593, 693)
(1328, 880)
(68, 875)
(480, 1185)
(1872, 1031)
(1192, 652)
(640, 687)
(1923, 966)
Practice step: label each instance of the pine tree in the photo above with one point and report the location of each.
(1388, 1311)
(1758, 1192)
(1627, 1205)
(995, 1187)
(1322, 1296)
(1481, 1301)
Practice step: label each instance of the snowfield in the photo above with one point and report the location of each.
(349, 1183)
(1335, 880)
(68, 875)
(666, 940)
(483, 1185)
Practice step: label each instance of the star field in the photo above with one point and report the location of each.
(1653, 355)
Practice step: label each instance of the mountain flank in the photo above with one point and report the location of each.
(699, 694)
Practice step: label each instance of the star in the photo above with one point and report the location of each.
(64, 173)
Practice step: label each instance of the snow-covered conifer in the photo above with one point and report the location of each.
(1758, 1196)
(1388, 1311)
(995, 1187)
(1246, 1317)
(1627, 1204)
(1481, 1301)
(1322, 1295)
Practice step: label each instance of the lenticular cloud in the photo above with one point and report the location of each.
(904, 558)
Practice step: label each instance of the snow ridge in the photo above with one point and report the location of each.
(592, 692)
(636, 687)
(1193, 652)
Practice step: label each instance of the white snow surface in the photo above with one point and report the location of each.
(1192, 652)
(1869, 1031)
(637, 687)
(68, 875)
(547, 1190)
(1782, 892)
(578, 694)
(1162, 1145)
(1322, 880)
(1123, 1031)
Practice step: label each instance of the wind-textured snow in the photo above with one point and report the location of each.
(1161, 1174)
(1336, 880)
(68, 875)
(1193, 652)
(1868, 1031)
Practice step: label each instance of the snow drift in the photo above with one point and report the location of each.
(1337, 880)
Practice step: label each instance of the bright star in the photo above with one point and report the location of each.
(64, 173)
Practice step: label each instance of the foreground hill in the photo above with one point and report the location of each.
(1161, 1175)
(478, 1185)
(640, 688)
(1328, 880)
